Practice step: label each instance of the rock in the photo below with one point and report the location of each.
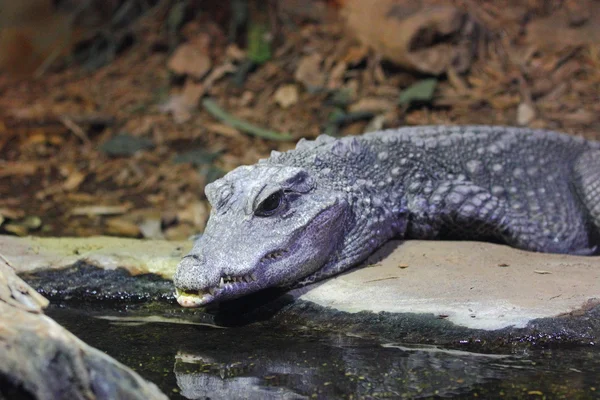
(42, 360)
(473, 287)
(137, 256)
(462, 281)
(525, 114)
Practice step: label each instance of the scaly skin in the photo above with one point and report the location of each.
(313, 212)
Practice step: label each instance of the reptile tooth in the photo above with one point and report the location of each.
(221, 282)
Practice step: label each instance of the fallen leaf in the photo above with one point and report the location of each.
(371, 104)
(542, 272)
(12, 213)
(415, 35)
(192, 92)
(100, 210)
(125, 145)
(196, 214)
(18, 168)
(503, 265)
(177, 107)
(151, 228)
(31, 222)
(16, 229)
(196, 157)
(556, 31)
(180, 232)
(223, 129)
(189, 59)
(421, 91)
(74, 180)
(286, 95)
(356, 55)
(122, 227)
(309, 72)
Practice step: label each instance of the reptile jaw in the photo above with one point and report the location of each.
(197, 298)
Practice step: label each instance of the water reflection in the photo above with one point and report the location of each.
(261, 361)
(302, 366)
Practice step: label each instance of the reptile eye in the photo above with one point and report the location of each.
(270, 205)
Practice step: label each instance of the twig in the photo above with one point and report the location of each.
(7, 262)
(76, 129)
(217, 112)
(382, 279)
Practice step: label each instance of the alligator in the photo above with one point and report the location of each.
(310, 213)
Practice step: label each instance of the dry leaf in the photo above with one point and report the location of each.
(413, 34)
(557, 31)
(372, 104)
(73, 181)
(286, 95)
(122, 227)
(18, 168)
(309, 72)
(224, 130)
(189, 59)
(100, 210)
(195, 213)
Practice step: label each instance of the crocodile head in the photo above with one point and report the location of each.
(270, 225)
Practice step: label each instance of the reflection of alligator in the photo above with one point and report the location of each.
(329, 366)
(199, 378)
(315, 211)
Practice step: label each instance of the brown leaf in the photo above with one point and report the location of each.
(73, 181)
(223, 129)
(372, 104)
(286, 95)
(12, 213)
(309, 71)
(557, 30)
(190, 60)
(413, 34)
(100, 210)
(18, 168)
(122, 227)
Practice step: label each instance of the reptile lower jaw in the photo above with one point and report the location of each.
(198, 298)
(192, 298)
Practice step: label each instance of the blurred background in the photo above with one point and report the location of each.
(114, 114)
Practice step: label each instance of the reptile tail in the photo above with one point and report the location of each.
(587, 178)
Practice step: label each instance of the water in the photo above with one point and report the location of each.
(257, 362)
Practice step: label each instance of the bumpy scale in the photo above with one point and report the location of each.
(310, 213)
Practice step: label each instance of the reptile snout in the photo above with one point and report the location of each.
(192, 273)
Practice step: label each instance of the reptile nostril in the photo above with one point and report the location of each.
(194, 257)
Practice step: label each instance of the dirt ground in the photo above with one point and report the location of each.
(122, 142)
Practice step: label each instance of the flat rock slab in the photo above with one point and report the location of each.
(30, 254)
(474, 285)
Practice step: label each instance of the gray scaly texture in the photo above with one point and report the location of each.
(315, 211)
